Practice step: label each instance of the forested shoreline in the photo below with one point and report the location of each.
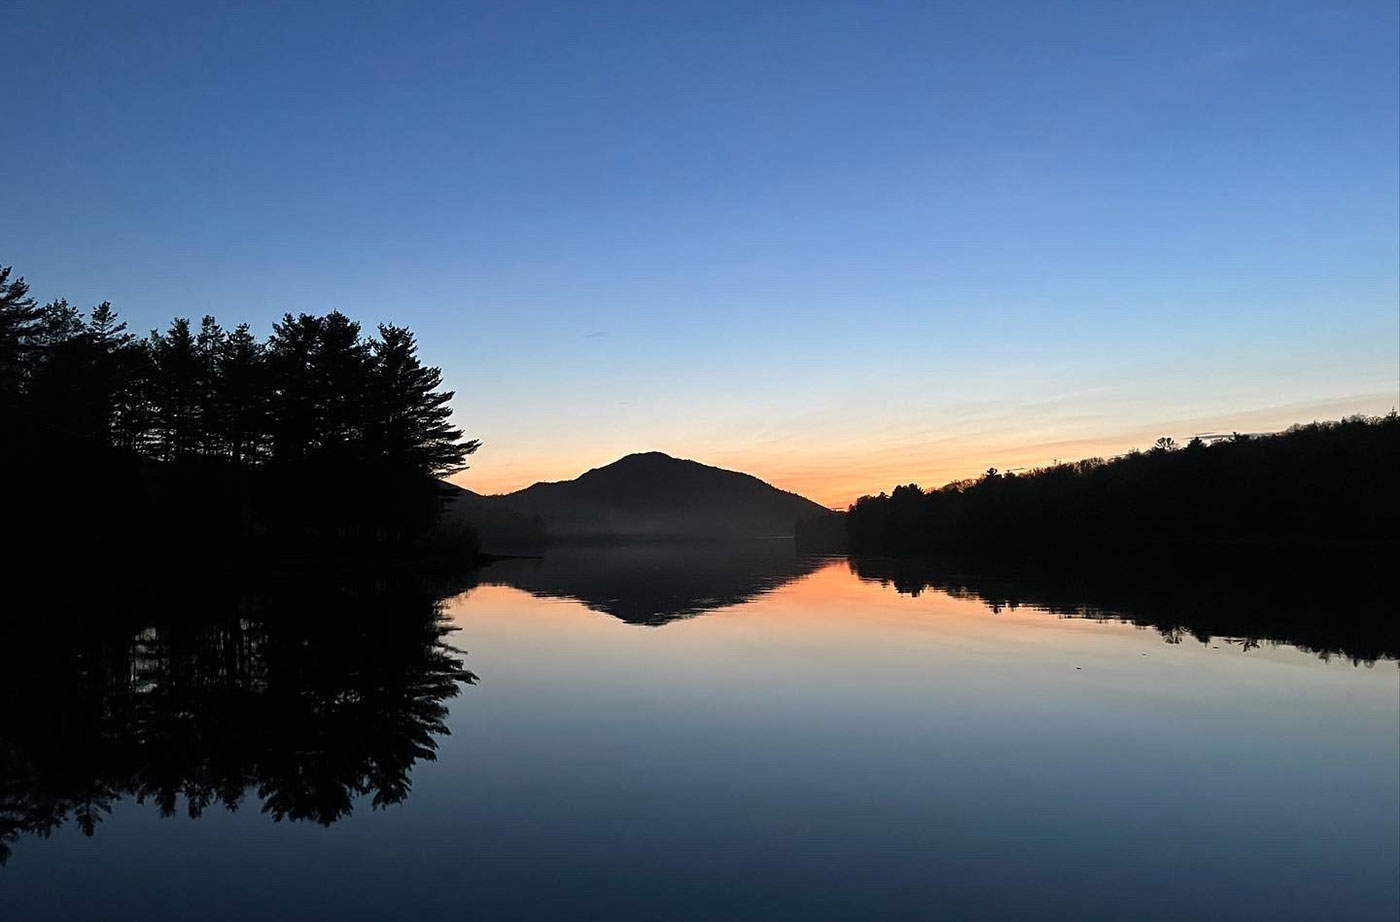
(198, 439)
(1333, 485)
(320, 440)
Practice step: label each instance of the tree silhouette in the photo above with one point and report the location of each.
(243, 396)
(411, 427)
(318, 434)
(176, 391)
(20, 317)
(1323, 484)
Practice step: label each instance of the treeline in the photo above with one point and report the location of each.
(1333, 484)
(316, 432)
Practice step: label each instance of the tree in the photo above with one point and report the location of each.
(1315, 486)
(341, 369)
(316, 433)
(19, 323)
(291, 357)
(243, 397)
(176, 369)
(108, 380)
(59, 381)
(411, 426)
(209, 346)
(104, 330)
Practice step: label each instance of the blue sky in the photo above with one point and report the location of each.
(841, 245)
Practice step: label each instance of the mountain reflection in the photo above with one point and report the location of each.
(1328, 608)
(308, 696)
(655, 584)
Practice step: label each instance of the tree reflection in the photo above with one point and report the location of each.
(311, 697)
(1327, 607)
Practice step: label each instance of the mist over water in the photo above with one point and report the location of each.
(667, 732)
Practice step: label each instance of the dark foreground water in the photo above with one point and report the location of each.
(658, 735)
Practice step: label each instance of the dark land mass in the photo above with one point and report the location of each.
(1333, 485)
(638, 497)
(495, 527)
(1337, 605)
(657, 582)
(200, 442)
(1285, 538)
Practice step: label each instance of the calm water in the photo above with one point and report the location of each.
(651, 734)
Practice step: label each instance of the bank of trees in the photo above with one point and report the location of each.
(1334, 484)
(318, 431)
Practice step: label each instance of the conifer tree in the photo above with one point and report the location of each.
(107, 375)
(290, 360)
(243, 395)
(341, 370)
(176, 369)
(19, 322)
(209, 347)
(59, 382)
(326, 434)
(412, 413)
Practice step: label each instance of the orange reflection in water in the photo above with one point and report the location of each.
(827, 608)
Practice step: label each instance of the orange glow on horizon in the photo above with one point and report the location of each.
(835, 476)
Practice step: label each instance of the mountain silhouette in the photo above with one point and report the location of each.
(651, 495)
(498, 529)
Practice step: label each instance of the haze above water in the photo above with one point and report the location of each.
(762, 736)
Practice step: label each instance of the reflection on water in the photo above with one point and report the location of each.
(1260, 602)
(832, 740)
(655, 584)
(1322, 610)
(306, 696)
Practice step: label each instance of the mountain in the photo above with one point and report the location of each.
(653, 495)
(499, 529)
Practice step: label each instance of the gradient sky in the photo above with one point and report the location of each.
(838, 245)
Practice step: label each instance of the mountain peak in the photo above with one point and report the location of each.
(651, 493)
(649, 464)
(638, 457)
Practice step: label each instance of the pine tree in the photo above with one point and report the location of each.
(106, 342)
(134, 424)
(339, 438)
(412, 428)
(290, 358)
(61, 414)
(243, 395)
(59, 323)
(175, 394)
(19, 323)
(209, 347)
(339, 381)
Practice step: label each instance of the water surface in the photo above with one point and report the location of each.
(659, 734)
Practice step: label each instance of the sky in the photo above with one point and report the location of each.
(840, 246)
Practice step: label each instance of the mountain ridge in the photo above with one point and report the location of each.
(651, 494)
